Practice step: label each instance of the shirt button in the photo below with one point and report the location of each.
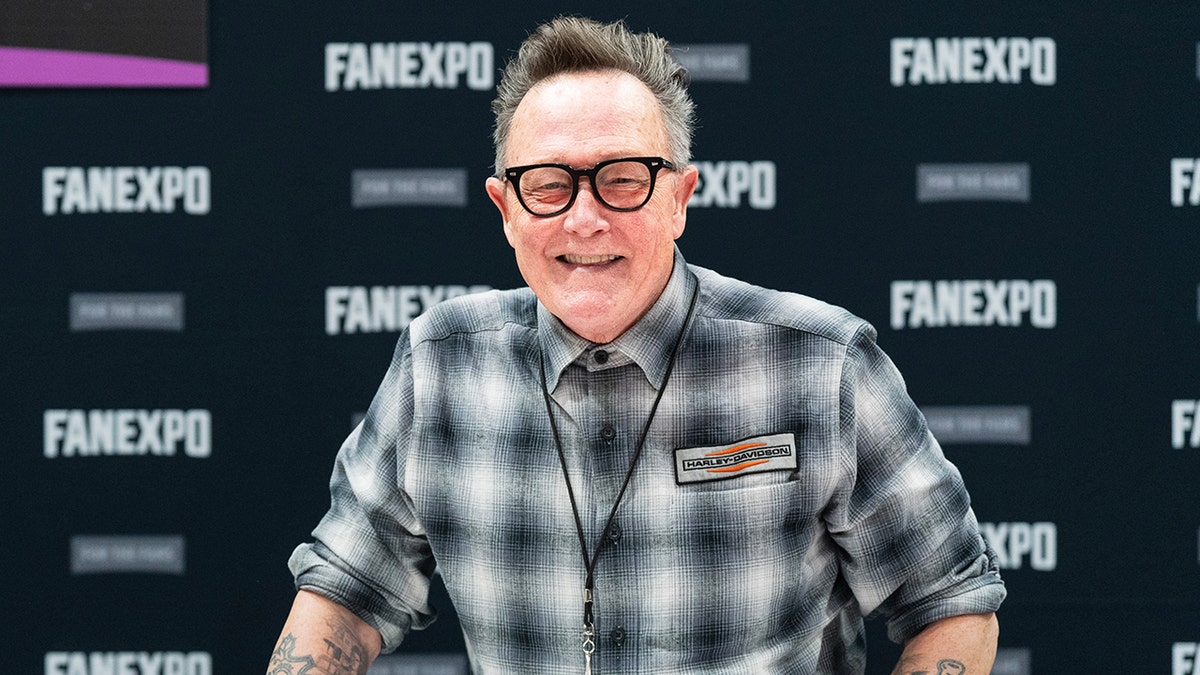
(614, 533)
(617, 636)
(601, 356)
(608, 433)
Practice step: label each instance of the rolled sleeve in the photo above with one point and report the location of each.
(911, 547)
(370, 553)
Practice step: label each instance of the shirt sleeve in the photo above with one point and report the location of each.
(910, 544)
(370, 553)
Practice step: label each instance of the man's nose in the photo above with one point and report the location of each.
(587, 216)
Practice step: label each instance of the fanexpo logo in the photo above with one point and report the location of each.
(125, 189)
(1185, 658)
(157, 433)
(727, 184)
(408, 65)
(971, 60)
(1185, 431)
(143, 663)
(1017, 543)
(378, 309)
(937, 304)
(1185, 181)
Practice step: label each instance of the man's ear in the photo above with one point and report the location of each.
(498, 192)
(685, 185)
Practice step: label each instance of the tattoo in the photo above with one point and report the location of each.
(283, 662)
(945, 667)
(344, 654)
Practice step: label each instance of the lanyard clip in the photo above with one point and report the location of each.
(589, 644)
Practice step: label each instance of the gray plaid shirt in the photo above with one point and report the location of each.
(759, 569)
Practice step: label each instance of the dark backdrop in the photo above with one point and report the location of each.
(244, 301)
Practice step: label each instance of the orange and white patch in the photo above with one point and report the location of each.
(776, 452)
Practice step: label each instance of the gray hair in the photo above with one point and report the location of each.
(570, 44)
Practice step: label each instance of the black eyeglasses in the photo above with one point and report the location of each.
(623, 184)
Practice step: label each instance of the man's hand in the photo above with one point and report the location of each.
(321, 637)
(959, 645)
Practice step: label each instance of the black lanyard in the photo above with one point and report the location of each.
(589, 562)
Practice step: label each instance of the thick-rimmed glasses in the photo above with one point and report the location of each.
(623, 184)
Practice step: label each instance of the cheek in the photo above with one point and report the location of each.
(526, 243)
(517, 230)
(660, 230)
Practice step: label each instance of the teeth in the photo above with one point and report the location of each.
(589, 259)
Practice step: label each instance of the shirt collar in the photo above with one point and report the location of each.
(648, 342)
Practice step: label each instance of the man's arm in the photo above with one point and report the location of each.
(320, 637)
(959, 645)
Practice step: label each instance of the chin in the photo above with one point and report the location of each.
(597, 321)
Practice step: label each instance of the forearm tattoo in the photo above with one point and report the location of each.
(344, 654)
(944, 667)
(285, 662)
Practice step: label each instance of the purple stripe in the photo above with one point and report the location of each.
(21, 67)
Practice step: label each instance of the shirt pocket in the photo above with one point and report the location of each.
(748, 557)
(755, 520)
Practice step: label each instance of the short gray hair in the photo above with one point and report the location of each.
(571, 44)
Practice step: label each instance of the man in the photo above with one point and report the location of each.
(636, 465)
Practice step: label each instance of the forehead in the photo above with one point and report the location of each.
(582, 118)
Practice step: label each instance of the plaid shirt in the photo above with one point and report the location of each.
(767, 572)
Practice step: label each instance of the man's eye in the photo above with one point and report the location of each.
(624, 183)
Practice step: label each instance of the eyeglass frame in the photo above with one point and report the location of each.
(653, 164)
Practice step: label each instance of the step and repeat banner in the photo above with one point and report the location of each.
(215, 218)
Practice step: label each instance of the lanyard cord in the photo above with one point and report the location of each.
(589, 563)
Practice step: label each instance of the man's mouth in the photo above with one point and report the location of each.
(587, 259)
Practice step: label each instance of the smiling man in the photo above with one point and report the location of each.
(636, 465)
